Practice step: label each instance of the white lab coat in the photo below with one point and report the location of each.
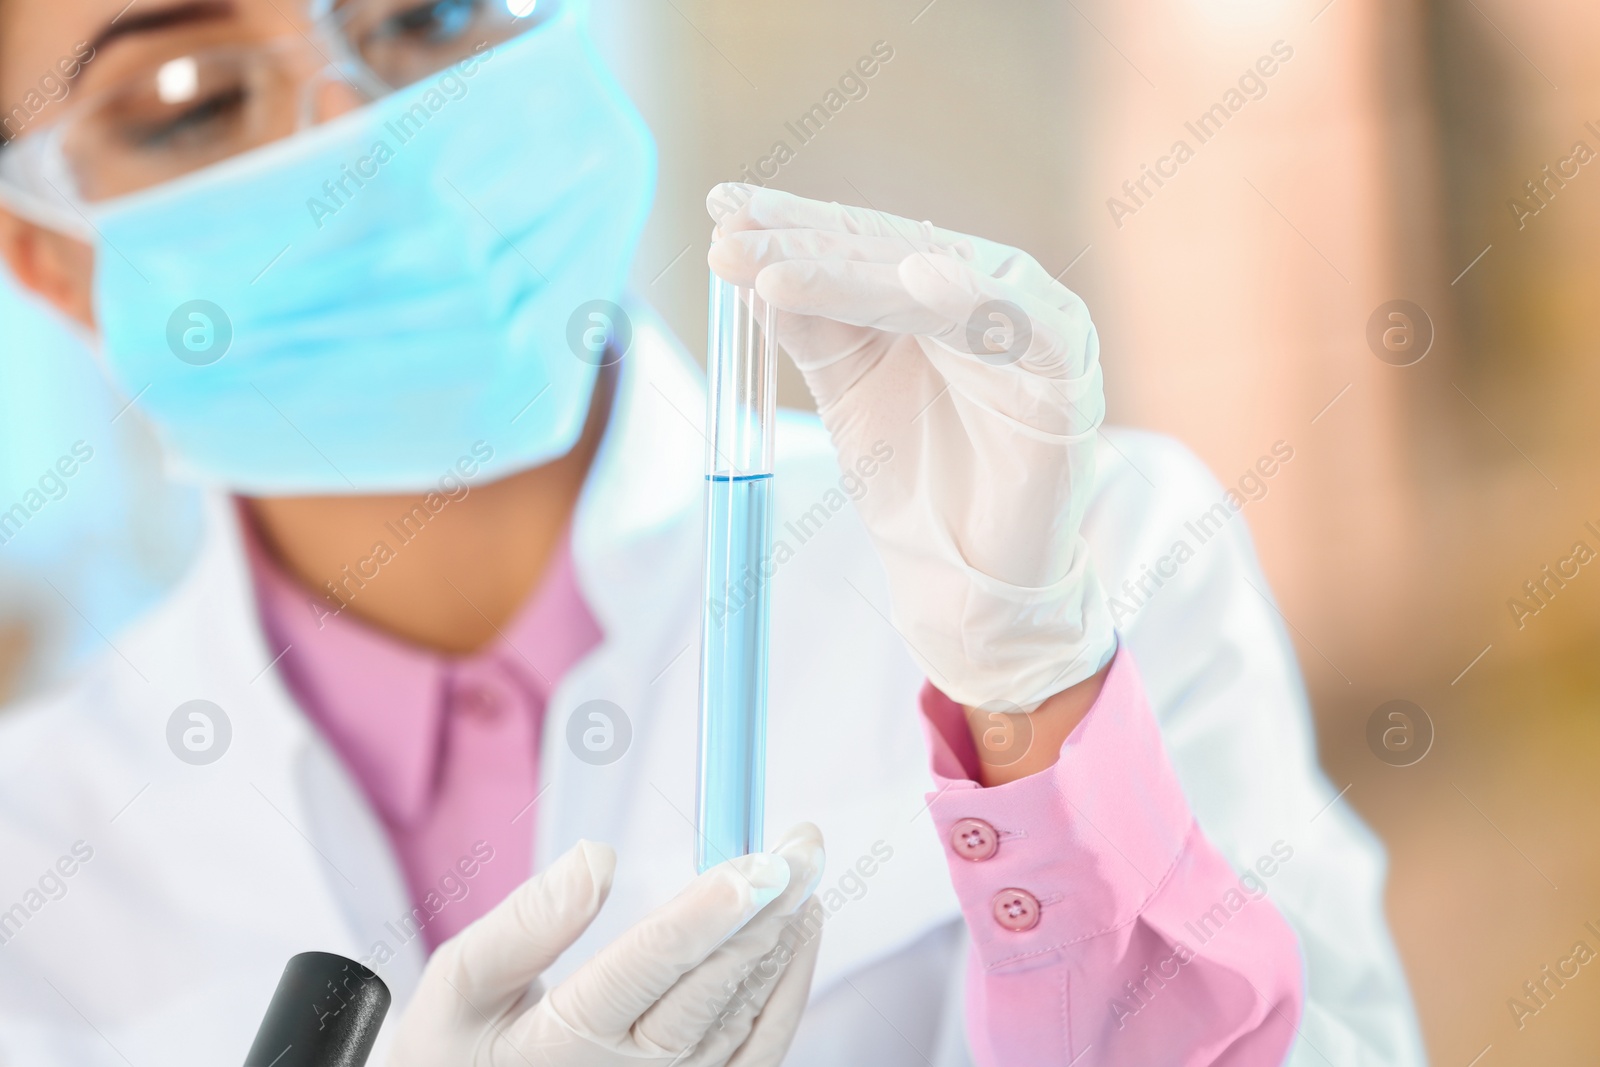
(204, 880)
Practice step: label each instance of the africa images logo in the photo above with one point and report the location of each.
(199, 332)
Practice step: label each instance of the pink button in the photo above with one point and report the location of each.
(974, 839)
(1016, 909)
(479, 702)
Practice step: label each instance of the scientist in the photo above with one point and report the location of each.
(360, 267)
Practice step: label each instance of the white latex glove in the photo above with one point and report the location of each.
(982, 373)
(703, 980)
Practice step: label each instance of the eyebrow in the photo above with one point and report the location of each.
(160, 19)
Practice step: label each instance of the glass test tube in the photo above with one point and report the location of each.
(740, 401)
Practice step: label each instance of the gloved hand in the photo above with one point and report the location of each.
(982, 374)
(700, 982)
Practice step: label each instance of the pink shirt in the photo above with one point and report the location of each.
(1105, 929)
(445, 747)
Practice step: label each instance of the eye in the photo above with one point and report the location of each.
(435, 23)
(199, 124)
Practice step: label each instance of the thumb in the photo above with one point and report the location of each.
(499, 955)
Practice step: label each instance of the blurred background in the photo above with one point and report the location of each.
(1395, 152)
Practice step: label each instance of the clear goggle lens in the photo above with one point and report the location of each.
(175, 112)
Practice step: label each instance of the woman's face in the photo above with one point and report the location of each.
(56, 54)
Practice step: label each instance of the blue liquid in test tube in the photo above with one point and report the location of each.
(731, 785)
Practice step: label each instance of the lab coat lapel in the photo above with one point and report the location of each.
(318, 809)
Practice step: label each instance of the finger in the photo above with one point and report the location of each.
(505, 950)
(998, 323)
(938, 295)
(738, 257)
(756, 208)
(859, 294)
(494, 960)
(607, 995)
(774, 1028)
(739, 976)
(741, 208)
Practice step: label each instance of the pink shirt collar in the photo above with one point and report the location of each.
(382, 702)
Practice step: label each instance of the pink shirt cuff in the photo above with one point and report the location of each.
(1105, 928)
(1091, 838)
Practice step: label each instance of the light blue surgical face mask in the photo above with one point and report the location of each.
(358, 307)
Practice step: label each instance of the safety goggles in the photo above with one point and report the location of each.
(180, 109)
